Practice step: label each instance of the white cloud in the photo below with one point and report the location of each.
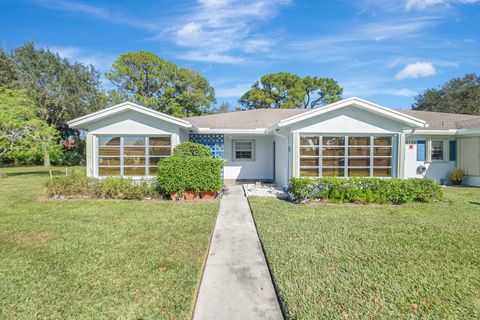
(100, 60)
(232, 92)
(423, 4)
(403, 92)
(216, 28)
(98, 12)
(416, 70)
(211, 57)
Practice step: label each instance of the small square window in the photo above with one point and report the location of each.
(243, 150)
(437, 150)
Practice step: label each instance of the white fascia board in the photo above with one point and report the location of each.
(357, 102)
(104, 113)
(231, 131)
(447, 132)
(468, 132)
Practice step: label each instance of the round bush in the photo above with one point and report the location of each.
(190, 149)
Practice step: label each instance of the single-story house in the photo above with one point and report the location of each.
(352, 137)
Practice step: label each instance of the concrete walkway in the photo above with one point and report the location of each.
(236, 283)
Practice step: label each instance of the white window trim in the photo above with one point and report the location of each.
(122, 156)
(234, 149)
(346, 146)
(446, 151)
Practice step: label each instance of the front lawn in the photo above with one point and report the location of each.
(375, 261)
(94, 259)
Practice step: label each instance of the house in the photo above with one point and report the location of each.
(352, 137)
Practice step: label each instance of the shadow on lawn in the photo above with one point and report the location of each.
(474, 202)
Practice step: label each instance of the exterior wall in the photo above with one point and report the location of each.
(259, 169)
(282, 156)
(350, 121)
(469, 159)
(124, 124)
(436, 170)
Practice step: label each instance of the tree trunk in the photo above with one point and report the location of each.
(46, 159)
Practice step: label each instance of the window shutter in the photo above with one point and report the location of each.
(421, 150)
(453, 150)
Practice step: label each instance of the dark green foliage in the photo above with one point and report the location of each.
(146, 78)
(78, 185)
(459, 95)
(287, 90)
(199, 174)
(365, 190)
(191, 149)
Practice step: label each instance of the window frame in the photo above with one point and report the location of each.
(146, 154)
(346, 157)
(444, 150)
(234, 150)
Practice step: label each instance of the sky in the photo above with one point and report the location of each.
(386, 51)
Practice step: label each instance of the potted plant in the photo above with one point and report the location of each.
(456, 176)
(208, 195)
(190, 195)
(174, 195)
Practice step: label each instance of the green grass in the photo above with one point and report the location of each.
(94, 259)
(416, 261)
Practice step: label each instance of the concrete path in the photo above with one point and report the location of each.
(236, 283)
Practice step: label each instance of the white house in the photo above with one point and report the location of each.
(352, 137)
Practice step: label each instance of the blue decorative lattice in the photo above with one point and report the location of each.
(214, 141)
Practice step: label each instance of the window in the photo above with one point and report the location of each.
(131, 155)
(345, 156)
(243, 150)
(437, 150)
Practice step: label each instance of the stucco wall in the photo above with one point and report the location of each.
(259, 169)
(281, 160)
(435, 170)
(348, 120)
(125, 123)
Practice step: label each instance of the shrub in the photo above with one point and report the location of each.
(365, 190)
(75, 185)
(456, 176)
(190, 149)
(122, 188)
(199, 174)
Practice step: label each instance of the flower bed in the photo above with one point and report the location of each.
(365, 190)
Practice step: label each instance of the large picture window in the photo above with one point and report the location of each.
(345, 156)
(131, 156)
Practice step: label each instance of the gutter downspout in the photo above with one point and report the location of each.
(275, 133)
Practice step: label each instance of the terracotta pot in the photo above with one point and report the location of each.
(173, 196)
(190, 195)
(208, 195)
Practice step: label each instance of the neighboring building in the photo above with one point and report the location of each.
(352, 137)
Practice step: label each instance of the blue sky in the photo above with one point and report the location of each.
(386, 51)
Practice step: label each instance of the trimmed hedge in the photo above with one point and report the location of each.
(199, 174)
(365, 190)
(191, 149)
(77, 185)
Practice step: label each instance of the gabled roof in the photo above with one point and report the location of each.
(245, 119)
(445, 121)
(123, 107)
(359, 103)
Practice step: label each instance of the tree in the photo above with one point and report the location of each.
(146, 78)
(24, 137)
(7, 69)
(287, 90)
(60, 90)
(223, 108)
(459, 95)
